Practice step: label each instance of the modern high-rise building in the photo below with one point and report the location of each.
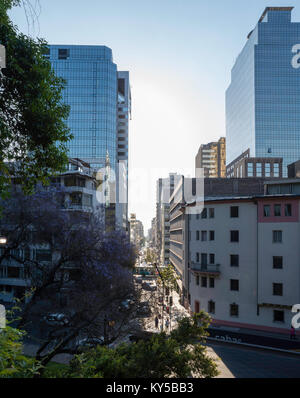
(212, 158)
(99, 100)
(164, 189)
(124, 114)
(263, 99)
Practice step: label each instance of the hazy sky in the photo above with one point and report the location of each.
(179, 54)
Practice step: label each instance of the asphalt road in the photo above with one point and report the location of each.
(242, 362)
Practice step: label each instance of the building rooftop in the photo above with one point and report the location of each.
(267, 9)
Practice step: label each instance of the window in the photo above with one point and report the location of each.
(211, 258)
(276, 169)
(203, 281)
(203, 236)
(234, 236)
(258, 170)
(234, 211)
(288, 210)
(87, 200)
(277, 210)
(211, 282)
(211, 213)
(197, 306)
(234, 260)
(278, 316)
(197, 235)
(43, 255)
(63, 53)
(267, 210)
(234, 284)
(211, 307)
(76, 198)
(267, 170)
(204, 213)
(197, 257)
(250, 169)
(13, 272)
(277, 236)
(277, 289)
(72, 181)
(211, 235)
(197, 280)
(203, 258)
(234, 310)
(277, 262)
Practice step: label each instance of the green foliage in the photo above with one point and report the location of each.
(150, 256)
(176, 355)
(168, 277)
(13, 364)
(32, 116)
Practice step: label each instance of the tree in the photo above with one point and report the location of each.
(12, 361)
(161, 356)
(168, 278)
(87, 273)
(32, 114)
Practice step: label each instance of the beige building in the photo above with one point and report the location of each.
(212, 158)
(136, 231)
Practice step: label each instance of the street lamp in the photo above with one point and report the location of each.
(3, 240)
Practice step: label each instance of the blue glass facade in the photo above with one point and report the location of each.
(263, 99)
(91, 92)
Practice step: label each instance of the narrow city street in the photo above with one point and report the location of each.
(244, 362)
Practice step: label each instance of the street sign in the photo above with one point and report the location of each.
(2, 57)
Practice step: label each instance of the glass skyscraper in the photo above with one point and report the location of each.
(99, 99)
(91, 92)
(263, 99)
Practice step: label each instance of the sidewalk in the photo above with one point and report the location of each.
(283, 336)
(255, 337)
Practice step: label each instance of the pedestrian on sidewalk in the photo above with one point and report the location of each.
(293, 333)
(156, 322)
(167, 323)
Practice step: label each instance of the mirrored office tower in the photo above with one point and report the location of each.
(92, 92)
(263, 99)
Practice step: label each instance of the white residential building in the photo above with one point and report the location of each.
(244, 258)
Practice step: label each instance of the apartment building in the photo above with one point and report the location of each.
(246, 166)
(243, 258)
(164, 189)
(212, 158)
(136, 231)
(78, 188)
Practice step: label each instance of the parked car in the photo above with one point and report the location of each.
(138, 279)
(126, 304)
(89, 342)
(144, 309)
(147, 286)
(56, 319)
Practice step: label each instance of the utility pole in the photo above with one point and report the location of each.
(163, 296)
(2, 57)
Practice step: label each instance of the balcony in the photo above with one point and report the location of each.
(208, 269)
